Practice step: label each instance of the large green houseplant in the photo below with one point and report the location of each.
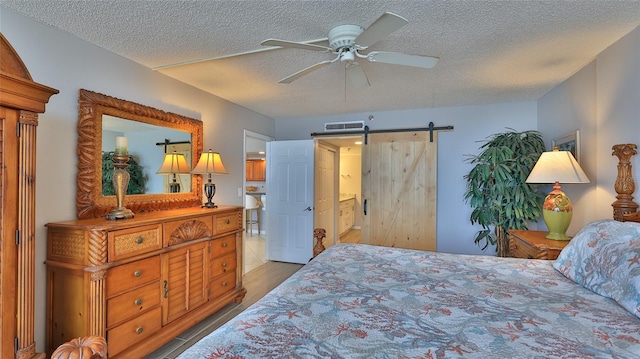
(496, 187)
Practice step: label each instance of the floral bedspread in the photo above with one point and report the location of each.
(360, 301)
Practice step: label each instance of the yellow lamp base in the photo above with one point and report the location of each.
(557, 223)
(557, 212)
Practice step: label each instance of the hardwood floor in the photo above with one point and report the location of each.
(352, 236)
(258, 282)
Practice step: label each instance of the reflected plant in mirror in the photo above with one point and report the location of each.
(137, 182)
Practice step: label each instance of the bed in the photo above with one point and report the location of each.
(361, 301)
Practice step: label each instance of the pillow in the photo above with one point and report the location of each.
(605, 258)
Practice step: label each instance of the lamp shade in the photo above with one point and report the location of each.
(210, 163)
(174, 163)
(557, 166)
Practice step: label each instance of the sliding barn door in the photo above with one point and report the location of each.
(399, 172)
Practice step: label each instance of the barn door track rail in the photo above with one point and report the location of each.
(431, 127)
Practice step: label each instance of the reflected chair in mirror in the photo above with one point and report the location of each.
(252, 204)
(174, 164)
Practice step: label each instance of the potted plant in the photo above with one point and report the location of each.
(496, 187)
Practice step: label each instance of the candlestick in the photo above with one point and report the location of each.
(120, 183)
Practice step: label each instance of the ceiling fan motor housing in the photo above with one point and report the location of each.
(344, 36)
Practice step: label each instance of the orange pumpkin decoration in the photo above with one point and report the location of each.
(91, 347)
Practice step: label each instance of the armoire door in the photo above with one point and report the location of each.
(8, 259)
(399, 174)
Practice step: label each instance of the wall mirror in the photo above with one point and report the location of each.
(151, 133)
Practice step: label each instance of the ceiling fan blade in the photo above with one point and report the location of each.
(381, 28)
(356, 75)
(293, 44)
(297, 75)
(397, 58)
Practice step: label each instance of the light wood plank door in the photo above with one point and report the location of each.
(399, 174)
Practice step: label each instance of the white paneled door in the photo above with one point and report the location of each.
(325, 192)
(290, 180)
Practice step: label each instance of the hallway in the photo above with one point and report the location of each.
(253, 253)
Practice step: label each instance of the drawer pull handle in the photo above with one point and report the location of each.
(225, 244)
(137, 273)
(228, 221)
(224, 264)
(139, 330)
(224, 284)
(139, 240)
(166, 289)
(138, 301)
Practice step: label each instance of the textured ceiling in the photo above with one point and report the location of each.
(490, 51)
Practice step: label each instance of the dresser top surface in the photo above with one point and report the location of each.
(142, 218)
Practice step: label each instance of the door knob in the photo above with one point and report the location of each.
(308, 209)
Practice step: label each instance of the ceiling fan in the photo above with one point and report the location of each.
(348, 41)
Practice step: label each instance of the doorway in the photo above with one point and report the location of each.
(254, 191)
(347, 205)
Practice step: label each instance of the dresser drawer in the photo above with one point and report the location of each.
(222, 285)
(129, 333)
(224, 264)
(227, 222)
(224, 245)
(130, 304)
(176, 232)
(131, 275)
(127, 243)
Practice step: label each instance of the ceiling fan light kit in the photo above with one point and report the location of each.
(346, 41)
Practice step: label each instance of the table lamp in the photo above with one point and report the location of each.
(210, 163)
(557, 167)
(174, 163)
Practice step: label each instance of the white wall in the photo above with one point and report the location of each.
(617, 114)
(602, 100)
(472, 124)
(61, 61)
(569, 107)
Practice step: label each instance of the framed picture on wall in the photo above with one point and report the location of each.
(569, 142)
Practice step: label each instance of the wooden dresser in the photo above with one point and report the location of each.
(534, 245)
(140, 282)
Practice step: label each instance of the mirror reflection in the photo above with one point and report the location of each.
(148, 145)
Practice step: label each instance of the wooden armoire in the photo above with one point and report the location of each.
(21, 100)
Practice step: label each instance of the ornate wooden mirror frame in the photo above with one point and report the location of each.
(90, 203)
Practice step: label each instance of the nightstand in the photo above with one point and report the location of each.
(533, 244)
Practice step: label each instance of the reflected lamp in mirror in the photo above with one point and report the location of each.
(557, 167)
(174, 164)
(210, 163)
